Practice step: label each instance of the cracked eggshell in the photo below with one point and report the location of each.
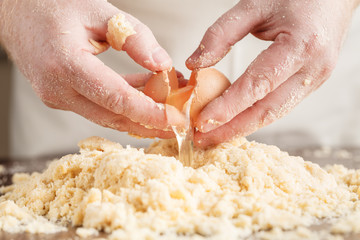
(204, 84)
(208, 84)
(179, 97)
(160, 84)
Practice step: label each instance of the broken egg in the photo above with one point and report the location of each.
(203, 86)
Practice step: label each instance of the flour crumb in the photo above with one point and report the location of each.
(213, 122)
(307, 82)
(119, 29)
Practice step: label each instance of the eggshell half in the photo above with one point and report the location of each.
(179, 97)
(208, 84)
(160, 84)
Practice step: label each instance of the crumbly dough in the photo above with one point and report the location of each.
(18, 219)
(231, 191)
(86, 232)
(118, 30)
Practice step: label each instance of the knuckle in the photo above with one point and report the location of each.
(268, 115)
(41, 89)
(330, 56)
(116, 102)
(231, 109)
(260, 83)
(318, 49)
(50, 100)
(328, 67)
(325, 58)
(53, 97)
(215, 31)
(316, 45)
(312, 42)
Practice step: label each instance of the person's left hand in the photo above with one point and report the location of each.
(306, 35)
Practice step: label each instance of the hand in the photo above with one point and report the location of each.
(54, 43)
(306, 35)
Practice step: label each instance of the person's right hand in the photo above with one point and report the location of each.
(49, 40)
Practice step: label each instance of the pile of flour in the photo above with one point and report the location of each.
(233, 190)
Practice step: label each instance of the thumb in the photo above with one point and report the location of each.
(230, 28)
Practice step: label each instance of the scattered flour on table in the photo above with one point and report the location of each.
(233, 190)
(3, 179)
(18, 219)
(87, 232)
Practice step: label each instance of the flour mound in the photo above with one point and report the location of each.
(232, 190)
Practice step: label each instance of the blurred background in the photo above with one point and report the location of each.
(5, 82)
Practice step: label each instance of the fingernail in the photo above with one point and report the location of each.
(161, 57)
(207, 126)
(194, 58)
(204, 129)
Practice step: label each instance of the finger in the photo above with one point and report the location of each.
(141, 46)
(106, 118)
(274, 106)
(230, 28)
(182, 82)
(179, 74)
(137, 80)
(181, 79)
(270, 69)
(101, 85)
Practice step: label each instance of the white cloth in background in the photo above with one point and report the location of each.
(330, 116)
